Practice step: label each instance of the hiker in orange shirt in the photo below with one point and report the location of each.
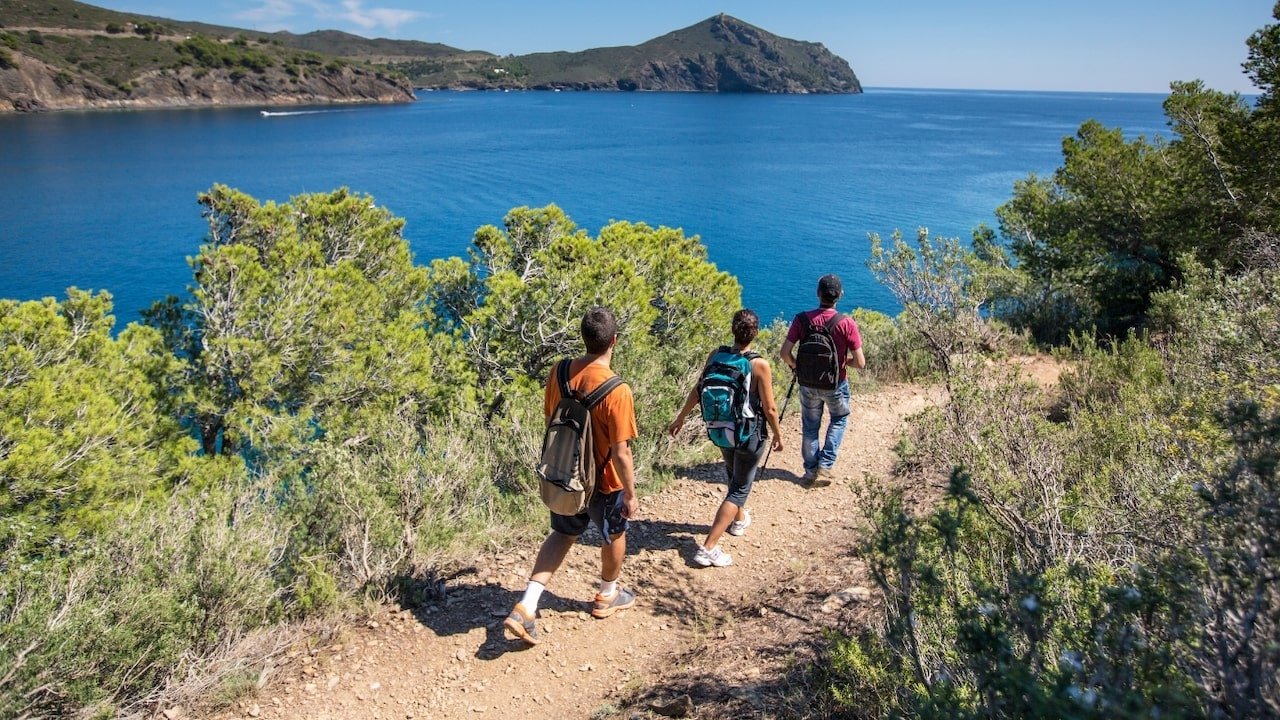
(613, 426)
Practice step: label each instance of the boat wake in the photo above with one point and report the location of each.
(286, 113)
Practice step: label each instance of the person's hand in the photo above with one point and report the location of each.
(630, 505)
(777, 443)
(675, 426)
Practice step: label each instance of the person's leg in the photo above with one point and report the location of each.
(724, 518)
(551, 555)
(606, 513)
(811, 404)
(728, 511)
(611, 556)
(744, 463)
(838, 405)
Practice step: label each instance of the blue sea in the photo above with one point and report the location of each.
(781, 189)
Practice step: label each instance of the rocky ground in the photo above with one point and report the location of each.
(736, 641)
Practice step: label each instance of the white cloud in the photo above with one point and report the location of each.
(292, 15)
(370, 18)
(274, 13)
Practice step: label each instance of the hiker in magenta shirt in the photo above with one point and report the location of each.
(818, 462)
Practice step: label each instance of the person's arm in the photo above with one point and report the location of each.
(624, 466)
(854, 338)
(689, 403)
(856, 358)
(788, 357)
(762, 374)
(794, 333)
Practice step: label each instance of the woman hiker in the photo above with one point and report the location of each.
(741, 462)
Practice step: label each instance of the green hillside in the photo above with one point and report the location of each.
(720, 54)
(59, 54)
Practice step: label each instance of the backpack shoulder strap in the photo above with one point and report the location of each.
(562, 377)
(751, 355)
(602, 391)
(831, 324)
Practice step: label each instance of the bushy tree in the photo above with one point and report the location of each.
(307, 319)
(1110, 227)
(83, 435)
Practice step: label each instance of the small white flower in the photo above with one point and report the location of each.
(1030, 604)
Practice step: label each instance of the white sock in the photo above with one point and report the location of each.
(608, 587)
(532, 593)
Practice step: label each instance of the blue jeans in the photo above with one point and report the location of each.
(812, 403)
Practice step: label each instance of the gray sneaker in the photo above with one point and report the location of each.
(606, 606)
(521, 625)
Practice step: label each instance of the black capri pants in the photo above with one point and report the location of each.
(740, 465)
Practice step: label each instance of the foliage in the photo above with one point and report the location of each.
(893, 352)
(516, 304)
(207, 53)
(941, 295)
(1091, 244)
(1109, 554)
(306, 321)
(83, 434)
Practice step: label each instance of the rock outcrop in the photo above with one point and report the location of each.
(32, 85)
(720, 54)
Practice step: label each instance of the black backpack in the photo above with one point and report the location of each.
(567, 471)
(817, 360)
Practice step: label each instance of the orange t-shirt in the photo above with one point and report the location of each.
(612, 421)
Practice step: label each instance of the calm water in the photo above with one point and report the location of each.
(781, 189)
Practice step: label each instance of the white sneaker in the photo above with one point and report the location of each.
(738, 527)
(714, 556)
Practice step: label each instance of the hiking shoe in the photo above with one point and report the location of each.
(521, 625)
(738, 527)
(606, 606)
(715, 556)
(820, 477)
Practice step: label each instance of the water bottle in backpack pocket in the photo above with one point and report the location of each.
(724, 392)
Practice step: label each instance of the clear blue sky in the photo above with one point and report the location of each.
(1105, 45)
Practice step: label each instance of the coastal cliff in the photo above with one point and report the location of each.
(720, 54)
(33, 85)
(65, 55)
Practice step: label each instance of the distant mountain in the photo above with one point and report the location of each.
(719, 54)
(59, 54)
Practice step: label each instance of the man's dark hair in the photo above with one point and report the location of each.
(746, 325)
(598, 329)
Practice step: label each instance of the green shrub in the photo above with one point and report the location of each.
(6, 60)
(893, 355)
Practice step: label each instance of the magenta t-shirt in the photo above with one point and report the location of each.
(846, 332)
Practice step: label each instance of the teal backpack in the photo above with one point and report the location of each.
(724, 392)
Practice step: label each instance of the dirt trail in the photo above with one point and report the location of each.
(726, 636)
